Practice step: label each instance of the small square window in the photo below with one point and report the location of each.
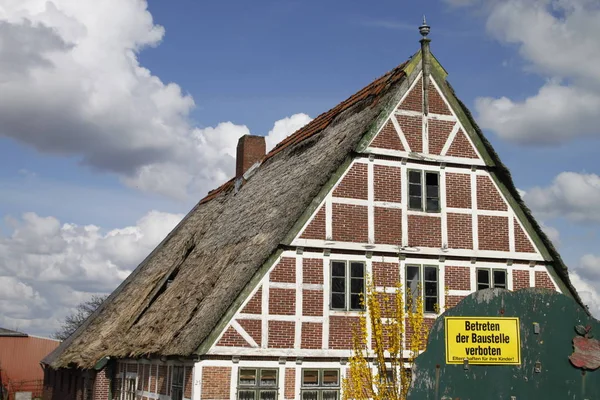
(491, 278)
(322, 384)
(310, 377)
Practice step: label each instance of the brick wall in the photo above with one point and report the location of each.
(458, 190)
(187, 382)
(101, 385)
(388, 138)
(452, 301)
(488, 197)
(316, 228)
(461, 147)
(542, 279)
(282, 301)
(412, 127)
(436, 103)
(438, 134)
(387, 183)
(312, 271)
(386, 274)
(350, 223)
(520, 279)
(388, 225)
(458, 278)
(253, 327)
(493, 233)
(341, 330)
(522, 242)
(216, 383)
(290, 384)
(281, 334)
(414, 100)
(312, 334)
(284, 271)
(312, 303)
(231, 338)
(254, 306)
(424, 231)
(460, 231)
(354, 184)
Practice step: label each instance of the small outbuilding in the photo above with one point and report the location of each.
(20, 357)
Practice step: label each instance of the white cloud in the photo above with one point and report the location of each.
(284, 127)
(558, 40)
(557, 113)
(571, 195)
(552, 233)
(588, 291)
(72, 85)
(47, 267)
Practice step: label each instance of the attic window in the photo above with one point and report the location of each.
(423, 191)
(491, 278)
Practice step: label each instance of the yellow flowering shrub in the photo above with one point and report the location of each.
(382, 370)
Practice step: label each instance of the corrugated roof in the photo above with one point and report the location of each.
(8, 332)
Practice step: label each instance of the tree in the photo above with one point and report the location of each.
(77, 317)
(383, 372)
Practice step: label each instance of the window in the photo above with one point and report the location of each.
(423, 197)
(491, 278)
(177, 383)
(422, 280)
(257, 384)
(129, 392)
(347, 285)
(320, 384)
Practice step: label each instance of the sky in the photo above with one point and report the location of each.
(117, 116)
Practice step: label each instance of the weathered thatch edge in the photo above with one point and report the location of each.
(502, 176)
(51, 358)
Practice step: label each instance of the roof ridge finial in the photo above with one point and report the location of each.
(424, 28)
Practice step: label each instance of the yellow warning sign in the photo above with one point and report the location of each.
(483, 340)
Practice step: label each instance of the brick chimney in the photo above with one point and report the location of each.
(250, 149)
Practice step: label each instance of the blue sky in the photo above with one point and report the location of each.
(236, 67)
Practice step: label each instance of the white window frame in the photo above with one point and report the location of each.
(256, 387)
(492, 283)
(347, 286)
(423, 174)
(422, 282)
(320, 388)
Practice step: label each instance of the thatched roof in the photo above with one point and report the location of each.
(219, 246)
(177, 296)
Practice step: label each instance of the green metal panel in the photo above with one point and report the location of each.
(557, 316)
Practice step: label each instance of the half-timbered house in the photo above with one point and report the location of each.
(253, 294)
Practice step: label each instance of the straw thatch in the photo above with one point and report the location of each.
(175, 298)
(215, 251)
